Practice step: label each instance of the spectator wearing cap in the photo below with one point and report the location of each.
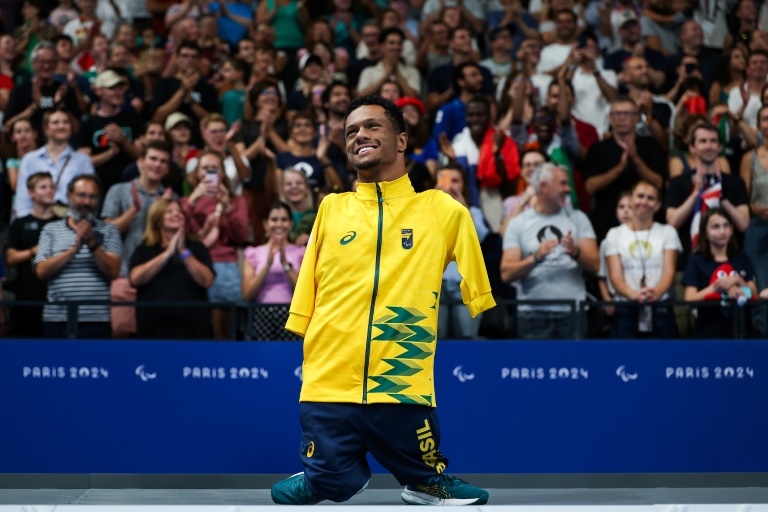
(441, 82)
(187, 92)
(311, 69)
(56, 157)
(178, 126)
(451, 118)
(127, 206)
(630, 43)
(390, 67)
(500, 61)
(422, 152)
(108, 135)
(43, 93)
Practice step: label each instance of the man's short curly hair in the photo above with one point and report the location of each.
(394, 114)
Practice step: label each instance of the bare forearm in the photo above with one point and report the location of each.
(144, 273)
(514, 270)
(676, 217)
(201, 274)
(107, 262)
(170, 106)
(739, 215)
(15, 257)
(124, 221)
(52, 266)
(252, 286)
(646, 173)
(597, 183)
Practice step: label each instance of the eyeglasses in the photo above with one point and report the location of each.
(83, 196)
(269, 92)
(211, 169)
(623, 113)
(217, 132)
(302, 125)
(319, 92)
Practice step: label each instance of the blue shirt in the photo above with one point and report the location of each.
(229, 30)
(451, 119)
(39, 161)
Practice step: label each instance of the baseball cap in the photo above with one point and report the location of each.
(309, 58)
(176, 118)
(108, 79)
(625, 16)
(410, 100)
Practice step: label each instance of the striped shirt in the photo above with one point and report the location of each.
(80, 278)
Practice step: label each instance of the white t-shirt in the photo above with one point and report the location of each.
(735, 102)
(642, 252)
(552, 56)
(589, 103)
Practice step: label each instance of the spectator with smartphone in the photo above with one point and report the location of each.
(219, 218)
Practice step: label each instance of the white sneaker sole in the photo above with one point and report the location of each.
(420, 498)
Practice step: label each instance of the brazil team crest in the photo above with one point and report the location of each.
(407, 237)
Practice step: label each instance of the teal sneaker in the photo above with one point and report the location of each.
(444, 490)
(294, 491)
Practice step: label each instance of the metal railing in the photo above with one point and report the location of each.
(588, 319)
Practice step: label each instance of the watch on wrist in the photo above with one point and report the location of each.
(287, 266)
(184, 255)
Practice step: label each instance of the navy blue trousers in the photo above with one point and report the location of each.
(336, 438)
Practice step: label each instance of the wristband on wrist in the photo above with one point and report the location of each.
(184, 255)
(536, 259)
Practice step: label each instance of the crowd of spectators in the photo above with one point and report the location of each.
(166, 150)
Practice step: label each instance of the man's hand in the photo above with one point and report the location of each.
(84, 231)
(569, 244)
(546, 247)
(233, 131)
(136, 197)
(445, 146)
(115, 134)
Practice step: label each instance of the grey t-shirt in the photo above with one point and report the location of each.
(664, 31)
(117, 202)
(558, 276)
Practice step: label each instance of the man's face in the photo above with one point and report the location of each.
(372, 142)
(623, 118)
(312, 72)
(472, 80)
(503, 42)
(531, 48)
(264, 60)
(461, 42)
(338, 100)
(544, 127)
(393, 46)
(706, 146)
(45, 64)
(638, 72)
(439, 35)
(113, 96)
(565, 27)
(155, 164)
(246, 51)
(553, 96)
(759, 40)
(64, 49)
(630, 33)
(188, 59)
(757, 67)
(478, 119)
(84, 199)
(87, 7)
(692, 34)
(43, 192)
(154, 132)
(371, 36)
(557, 192)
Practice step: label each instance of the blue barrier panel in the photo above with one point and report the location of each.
(505, 407)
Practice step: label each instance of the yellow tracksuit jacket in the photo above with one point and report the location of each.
(367, 296)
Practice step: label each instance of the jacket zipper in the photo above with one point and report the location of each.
(375, 292)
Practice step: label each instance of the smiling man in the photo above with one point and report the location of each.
(366, 304)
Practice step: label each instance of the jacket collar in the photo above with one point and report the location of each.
(389, 189)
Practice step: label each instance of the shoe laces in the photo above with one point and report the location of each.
(301, 488)
(438, 484)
